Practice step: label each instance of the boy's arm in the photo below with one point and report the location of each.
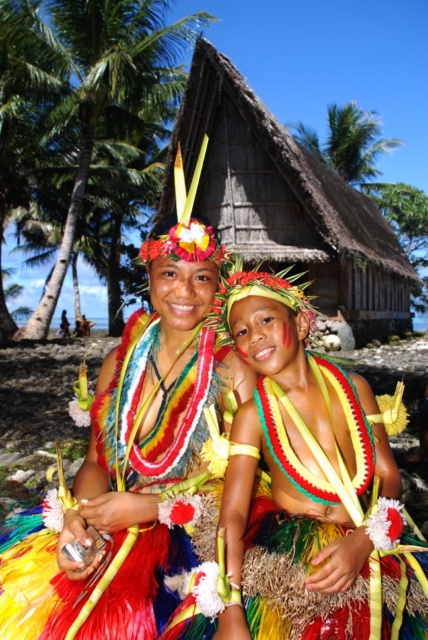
(346, 556)
(235, 506)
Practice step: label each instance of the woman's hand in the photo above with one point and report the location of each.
(75, 529)
(345, 558)
(232, 624)
(115, 511)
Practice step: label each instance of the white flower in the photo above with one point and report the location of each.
(379, 524)
(53, 512)
(205, 590)
(193, 234)
(80, 417)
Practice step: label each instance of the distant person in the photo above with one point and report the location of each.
(78, 331)
(85, 326)
(64, 327)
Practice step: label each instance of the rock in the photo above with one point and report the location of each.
(7, 459)
(344, 331)
(21, 476)
(331, 342)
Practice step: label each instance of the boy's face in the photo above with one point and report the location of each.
(266, 333)
(182, 292)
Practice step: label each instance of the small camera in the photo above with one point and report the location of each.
(77, 552)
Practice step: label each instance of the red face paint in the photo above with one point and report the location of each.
(242, 353)
(286, 335)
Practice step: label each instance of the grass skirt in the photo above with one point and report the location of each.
(39, 602)
(279, 549)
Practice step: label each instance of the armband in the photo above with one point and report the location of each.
(238, 449)
(385, 524)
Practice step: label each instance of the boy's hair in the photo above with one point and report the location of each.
(257, 283)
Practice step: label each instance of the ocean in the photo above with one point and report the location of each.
(420, 323)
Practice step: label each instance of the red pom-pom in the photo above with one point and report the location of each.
(182, 513)
(395, 524)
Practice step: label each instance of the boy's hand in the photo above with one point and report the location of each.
(345, 558)
(232, 624)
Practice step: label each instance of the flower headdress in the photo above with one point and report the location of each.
(190, 239)
(242, 284)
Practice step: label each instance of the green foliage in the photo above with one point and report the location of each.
(406, 208)
(353, 143)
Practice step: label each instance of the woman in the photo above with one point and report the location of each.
(151, 394)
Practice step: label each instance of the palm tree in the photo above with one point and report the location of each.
(12, 292)
(353, 143)
(126, 61)
(31, 71)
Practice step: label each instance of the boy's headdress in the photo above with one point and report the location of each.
(242, 284)
(190, 239)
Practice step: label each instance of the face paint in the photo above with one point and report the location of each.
(242, 353)
(286, 335)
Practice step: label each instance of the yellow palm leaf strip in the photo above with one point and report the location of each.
(68, 501)
(231, 406)
(102, 585)
(143, 408)
(223, 582)
(349, 416)
(418, 533)
(190, 200)
(423, 581)
(401, 602)
(350, 501)
(375, 596)
(179, 184)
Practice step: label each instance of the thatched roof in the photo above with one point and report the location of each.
(344, 222)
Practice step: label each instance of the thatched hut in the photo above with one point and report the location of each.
(275, 201)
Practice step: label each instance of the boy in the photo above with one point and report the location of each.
(307, 576)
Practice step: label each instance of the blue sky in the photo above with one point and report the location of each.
(300, 56)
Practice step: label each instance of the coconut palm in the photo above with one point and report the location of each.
(126, 61)
(11, 293)
(353, 143)
(31, 68)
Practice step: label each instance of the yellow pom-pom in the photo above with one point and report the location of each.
(217, 460)
(392, 427)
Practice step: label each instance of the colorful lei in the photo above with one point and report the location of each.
(280, 448)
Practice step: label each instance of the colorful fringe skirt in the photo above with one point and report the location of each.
(37, 602)
(279, 549)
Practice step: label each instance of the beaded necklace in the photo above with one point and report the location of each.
(267, 394)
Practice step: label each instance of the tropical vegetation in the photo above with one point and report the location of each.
(102, 79)
(353, 143)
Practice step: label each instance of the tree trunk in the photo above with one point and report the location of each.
(37, 327)
(116, 323)
(7, 324)
(77, 311)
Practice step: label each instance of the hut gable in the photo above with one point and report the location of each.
(270, 197)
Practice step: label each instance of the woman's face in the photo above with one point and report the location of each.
(182, 292)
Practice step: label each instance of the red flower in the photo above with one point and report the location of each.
(395, 524)
(182, 512)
